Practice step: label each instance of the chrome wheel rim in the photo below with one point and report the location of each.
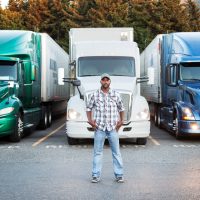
(176, 126)
(158, 119)
(155, 118)
(50, 117)
(20, 127)
(45, 118)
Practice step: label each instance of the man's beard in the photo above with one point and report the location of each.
(105, 86)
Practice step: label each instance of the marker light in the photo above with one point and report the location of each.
(194, 126)
(6, 110)
(187, 114)
(72, 114)
(143, 115)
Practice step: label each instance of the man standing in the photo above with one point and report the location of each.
(108, 118)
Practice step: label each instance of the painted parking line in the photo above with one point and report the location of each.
(185, 145)
(154, 141)
(47, 136)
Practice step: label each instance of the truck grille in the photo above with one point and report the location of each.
(126, 98)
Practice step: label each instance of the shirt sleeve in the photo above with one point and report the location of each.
(90, 103)
(120, 105)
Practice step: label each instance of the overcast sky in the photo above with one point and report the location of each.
(4, 3)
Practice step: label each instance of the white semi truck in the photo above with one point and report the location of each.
(94, 51)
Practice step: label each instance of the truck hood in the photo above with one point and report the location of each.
(192, 87)
(120, 83)
(3, 90)
(191, 84)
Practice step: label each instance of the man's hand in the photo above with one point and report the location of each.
(119, 124)
(93, 124)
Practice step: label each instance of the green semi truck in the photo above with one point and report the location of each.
(29, 89)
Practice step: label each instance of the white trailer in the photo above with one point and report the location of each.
(150, 60)
(97, 34)
(54, 96)
(94, 51)
(53, 58)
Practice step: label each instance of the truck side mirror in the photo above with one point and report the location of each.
(33, 72)
(11, 84)
(151, 74)
(76, 82)
(60, 76)
(171, 75)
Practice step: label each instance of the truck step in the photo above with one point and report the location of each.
(28, 125)
(172, 126)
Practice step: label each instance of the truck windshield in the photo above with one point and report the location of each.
(8, 71)
(114, 66)
(190, 71)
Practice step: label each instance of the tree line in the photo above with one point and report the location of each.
(56, 17)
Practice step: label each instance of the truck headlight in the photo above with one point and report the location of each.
(5, 111)
(187, 114)
(143, 115)
(72, 114)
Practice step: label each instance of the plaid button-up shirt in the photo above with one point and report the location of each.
(106, 108)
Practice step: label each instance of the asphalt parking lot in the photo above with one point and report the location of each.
(44, 166)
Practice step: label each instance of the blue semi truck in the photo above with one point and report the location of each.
(172, 62)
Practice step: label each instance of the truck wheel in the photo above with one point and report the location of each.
(44, 121)
(141, 141)
(157, 117)
(18, 131)
(72, 141)
(176, 126)
(49, 116)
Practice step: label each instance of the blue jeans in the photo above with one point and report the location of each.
(99, 140)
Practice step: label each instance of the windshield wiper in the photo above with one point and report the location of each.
(117, 75)
(88, 75)
(2, 83)
(192, 79)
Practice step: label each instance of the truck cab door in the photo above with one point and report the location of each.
(21, 92)
(171, 83)
(170, 92)
(36, 88)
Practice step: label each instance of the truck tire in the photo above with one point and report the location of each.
(44, 121)
(72, 141)
(49, 116)
(156, 114)
(176, 131)
(19, 129)
(157, 117)
(141, 141)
